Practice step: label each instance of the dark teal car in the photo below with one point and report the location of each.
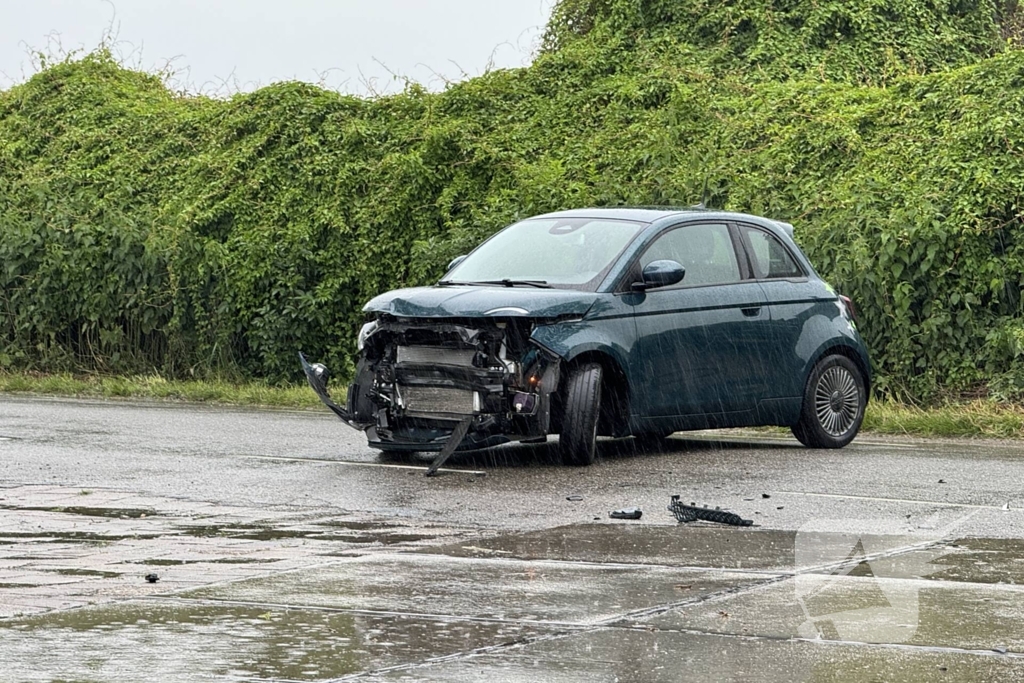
(616, 322)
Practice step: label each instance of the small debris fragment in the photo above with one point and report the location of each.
(574, 499)
(722, 613)
(765, 495)
(626, 513)
(942, 481)
(691, 513)
(597, 519)
(152, 578)
(683, 586)
(1006, 508)
(1001, 649)
(780, 507)
(748, 499)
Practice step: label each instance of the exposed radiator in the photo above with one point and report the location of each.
(435, 355)
(421, 400)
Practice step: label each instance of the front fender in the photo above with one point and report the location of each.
(568, 340)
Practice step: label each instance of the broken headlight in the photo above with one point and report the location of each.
(364, 333)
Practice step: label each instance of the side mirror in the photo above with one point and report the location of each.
(660, 274)
(456, 261)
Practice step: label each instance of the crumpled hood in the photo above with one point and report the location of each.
(483, 301)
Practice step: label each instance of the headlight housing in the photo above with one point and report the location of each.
(364, 333)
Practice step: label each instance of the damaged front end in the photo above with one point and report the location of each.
(420, 383)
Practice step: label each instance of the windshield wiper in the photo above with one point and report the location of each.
(541, 284)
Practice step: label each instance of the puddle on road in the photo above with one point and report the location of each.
(95, 573)
(111, 513)
(683, 545)
(187, 642)
(636, 655)
(267, 533)
(481, 588)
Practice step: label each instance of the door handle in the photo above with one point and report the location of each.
(751, 312)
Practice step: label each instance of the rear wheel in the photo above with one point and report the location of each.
(834, 403)
(578, 440)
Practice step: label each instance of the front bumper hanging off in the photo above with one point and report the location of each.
(317, 376)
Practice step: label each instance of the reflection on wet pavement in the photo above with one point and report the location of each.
(147, 641)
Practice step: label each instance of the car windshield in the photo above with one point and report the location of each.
(559, 252)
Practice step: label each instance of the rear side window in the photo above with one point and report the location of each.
(770, 258)
(705, 251)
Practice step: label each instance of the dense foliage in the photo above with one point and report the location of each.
(142, 229)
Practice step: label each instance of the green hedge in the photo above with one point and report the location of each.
(144, 230)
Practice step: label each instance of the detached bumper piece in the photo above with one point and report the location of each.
(691, 513)
(317, 376)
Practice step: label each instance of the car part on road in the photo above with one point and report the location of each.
(152, 578)
(691, 513)
(834, 402)
(626, 513)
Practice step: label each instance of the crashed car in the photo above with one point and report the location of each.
(616, 322)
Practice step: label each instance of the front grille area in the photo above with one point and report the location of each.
(423, 400)
(435, 355)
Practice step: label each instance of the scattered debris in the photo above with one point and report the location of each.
(780, 507)
(722, 613)
(1006, 508)
(765, 495)
(748, 499)
(626, 513)
(1001, 649)
(942, 481)
(152, 578)
(691, 513)
(683, 586)
(574, 499)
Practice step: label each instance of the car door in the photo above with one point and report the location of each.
(792, 300)
(699, 342)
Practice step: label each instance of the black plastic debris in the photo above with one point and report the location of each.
(574, 499)
(626, 513)
(152, 578)
(691, 513)
(766, 495)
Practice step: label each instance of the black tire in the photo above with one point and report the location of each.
(578, 440)
(834, 402)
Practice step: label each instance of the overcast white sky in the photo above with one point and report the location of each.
(219, 46)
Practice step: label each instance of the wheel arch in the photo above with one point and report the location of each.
(849, 352)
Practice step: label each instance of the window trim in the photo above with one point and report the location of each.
(633, 271)
(748, 248)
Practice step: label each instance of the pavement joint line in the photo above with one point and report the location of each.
(893, 500)
(456, 656)
(357, 463)
(425, 616)
(817, 641)
(611, 565)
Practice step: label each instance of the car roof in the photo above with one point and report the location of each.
(650, 214)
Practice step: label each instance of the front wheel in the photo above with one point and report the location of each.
(834, 402)
(578, 440)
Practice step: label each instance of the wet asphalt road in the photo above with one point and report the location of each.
(285, 549)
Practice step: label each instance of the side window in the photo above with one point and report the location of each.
(771, 259)
(705, 251)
